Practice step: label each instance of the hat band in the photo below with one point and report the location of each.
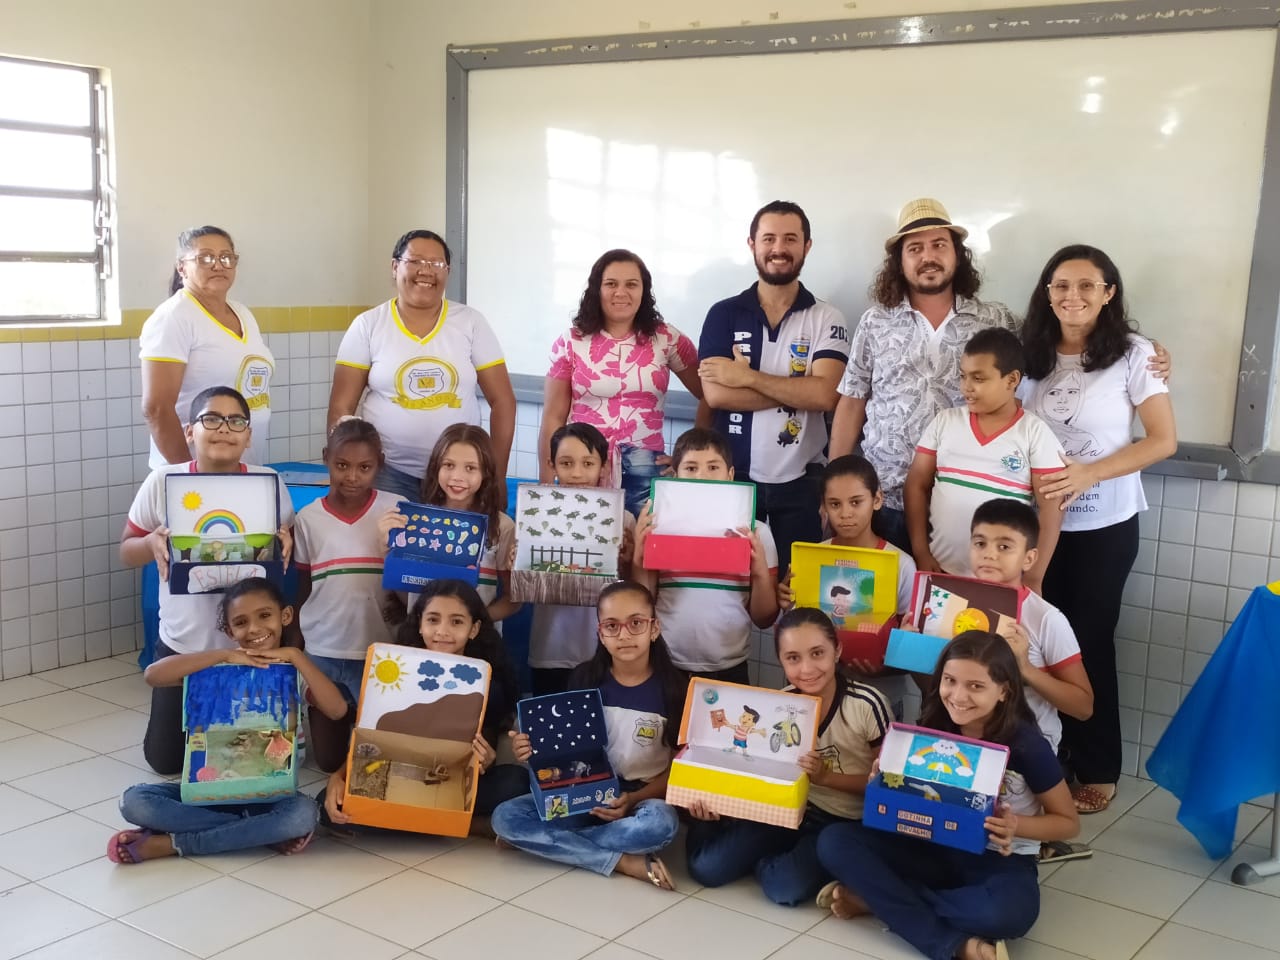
(925, 222)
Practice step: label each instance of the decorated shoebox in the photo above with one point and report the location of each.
(942, 606)
(740, 750)
(856, 587)
(222, 529)
(567, 543)
(241, 725)
(569, 771)
(436, 543)
(697, 526)
(936, 786)
(411, 765)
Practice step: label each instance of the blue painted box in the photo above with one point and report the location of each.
(437, 543)
(569, 770)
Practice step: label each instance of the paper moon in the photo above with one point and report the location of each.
(555, 711)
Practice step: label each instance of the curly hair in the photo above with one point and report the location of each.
(589, 319)
(1041, 331)
(487, 499)
(889, 288)
(243, 588)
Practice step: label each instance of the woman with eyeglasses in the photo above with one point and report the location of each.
(1087, 375)
(412, 366)
(200, 338)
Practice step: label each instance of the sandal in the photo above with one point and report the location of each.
(827, 895)
(1002, 951)
(1058, 851)
(130, 847)
(1091, 799)
(657, 873)
(289, 847)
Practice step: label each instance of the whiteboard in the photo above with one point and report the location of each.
(1150, 147)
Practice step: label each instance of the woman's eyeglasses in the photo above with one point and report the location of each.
(635, 626)
(214, 421)
(227, 260)
(1087, 288)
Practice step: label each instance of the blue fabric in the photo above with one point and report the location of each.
(639, 467)
(1222, 747)
(398, 482)
(201, 830)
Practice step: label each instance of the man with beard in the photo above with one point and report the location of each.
(770, 361)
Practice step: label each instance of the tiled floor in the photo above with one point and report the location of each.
(69, 744)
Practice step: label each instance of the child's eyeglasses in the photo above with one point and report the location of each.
(635, 626)
(214, 421)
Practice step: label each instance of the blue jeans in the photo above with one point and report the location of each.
(933, 897)
(347, 675)
(639, 466)
(196, 830)
(596, 845)
(890, 524)
(785, 861)
(402, 484)
(791, 510)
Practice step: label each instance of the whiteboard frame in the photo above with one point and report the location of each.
(1245, 458)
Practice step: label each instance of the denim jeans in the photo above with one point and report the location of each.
(402, 484)
(791, 510)
(933, 897)
(596, 845)
(639, 466)
(199, 830)
(347, 675)
(890, 524)
(785, 861)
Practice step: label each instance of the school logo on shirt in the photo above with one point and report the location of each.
(647, 731)
(1013, 463)
(254, 382)
(425, 383)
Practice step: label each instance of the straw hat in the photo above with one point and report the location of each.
(923, 214)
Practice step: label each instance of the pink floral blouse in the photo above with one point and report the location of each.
(620, 386)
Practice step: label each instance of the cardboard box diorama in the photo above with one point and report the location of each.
(222, 529)
(936, 786)
(436, 543)
(411, 765)
(696, 524)
(740, 750)
(856, 587)
(944, 605)
(567, 543)
(569, 771)
(242, 725)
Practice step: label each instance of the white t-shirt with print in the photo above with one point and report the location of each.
(419, 386)
(494, 559)
(180, 330)
(1053, 646)
(1092, 416)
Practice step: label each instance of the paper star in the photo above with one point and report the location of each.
(435, 544)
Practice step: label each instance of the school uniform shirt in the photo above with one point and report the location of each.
(705, 618)
(973, 468)
(494, 559)
(181, 331)
(188, 624)
(849, 738)
(419, 385)
(343, 614)
(776, 444)
(1033, 769)
(636, 720)
(1053, 645)
(1092, 416)
(907, 372)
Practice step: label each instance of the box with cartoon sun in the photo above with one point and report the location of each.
(741, 750)
(241, 725)
(944, 606)
(569, 771)
(936, 786)
(435, 544)
(856, 587)
(567, 543)
(698, 524)
(411, 765)
(222, 529)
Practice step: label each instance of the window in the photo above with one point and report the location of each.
(55, 203)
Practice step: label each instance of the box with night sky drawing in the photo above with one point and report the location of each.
(569, 770)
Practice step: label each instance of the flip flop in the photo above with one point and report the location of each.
(1090, 799)
(131, 847)
(657, 873)
(827, 895)
(1002, 951)
(1058, 851)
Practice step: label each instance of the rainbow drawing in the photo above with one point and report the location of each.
(219, 522)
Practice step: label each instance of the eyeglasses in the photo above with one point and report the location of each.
(1087, 288)
(214, 421)
(635, 626)
(423, 264)
(228, 260)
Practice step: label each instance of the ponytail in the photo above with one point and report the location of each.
(185, 239)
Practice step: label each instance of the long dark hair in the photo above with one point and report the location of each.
(1041, 331)
(889, 288)
(487, 499)
(186, 240)
(590, 317)
(993, 652)
(673, 680)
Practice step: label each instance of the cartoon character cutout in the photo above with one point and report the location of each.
(1061, 398)
(840, 599)
(747, 724)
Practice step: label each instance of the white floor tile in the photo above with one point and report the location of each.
(696, 930)
(133, 755)
(105, 734)
(864, 935)
(107, 942)
(1030, 950)
(84, 782)
(177, 920)
(313, 936)
(19, 809)
(1235, 912)
(411, 908)
(1128, 884)
(25, 688)
(1163, 844)
(229, 863)
(486, 869)
(56, 710)
(616, 951)
(92, 671)
(1130, 791)
(618, 903)
(107, 813)
(27, 755)
(116, 889)
(746, 897)
(1095, 930)
(10, 880)
(810, 948)
(1249, 853)
(53, 845)
(31, 917)
(1175, 942)
(331, 871)
(9, 730)
(409, 849)
(126, 691)
(510, 932)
